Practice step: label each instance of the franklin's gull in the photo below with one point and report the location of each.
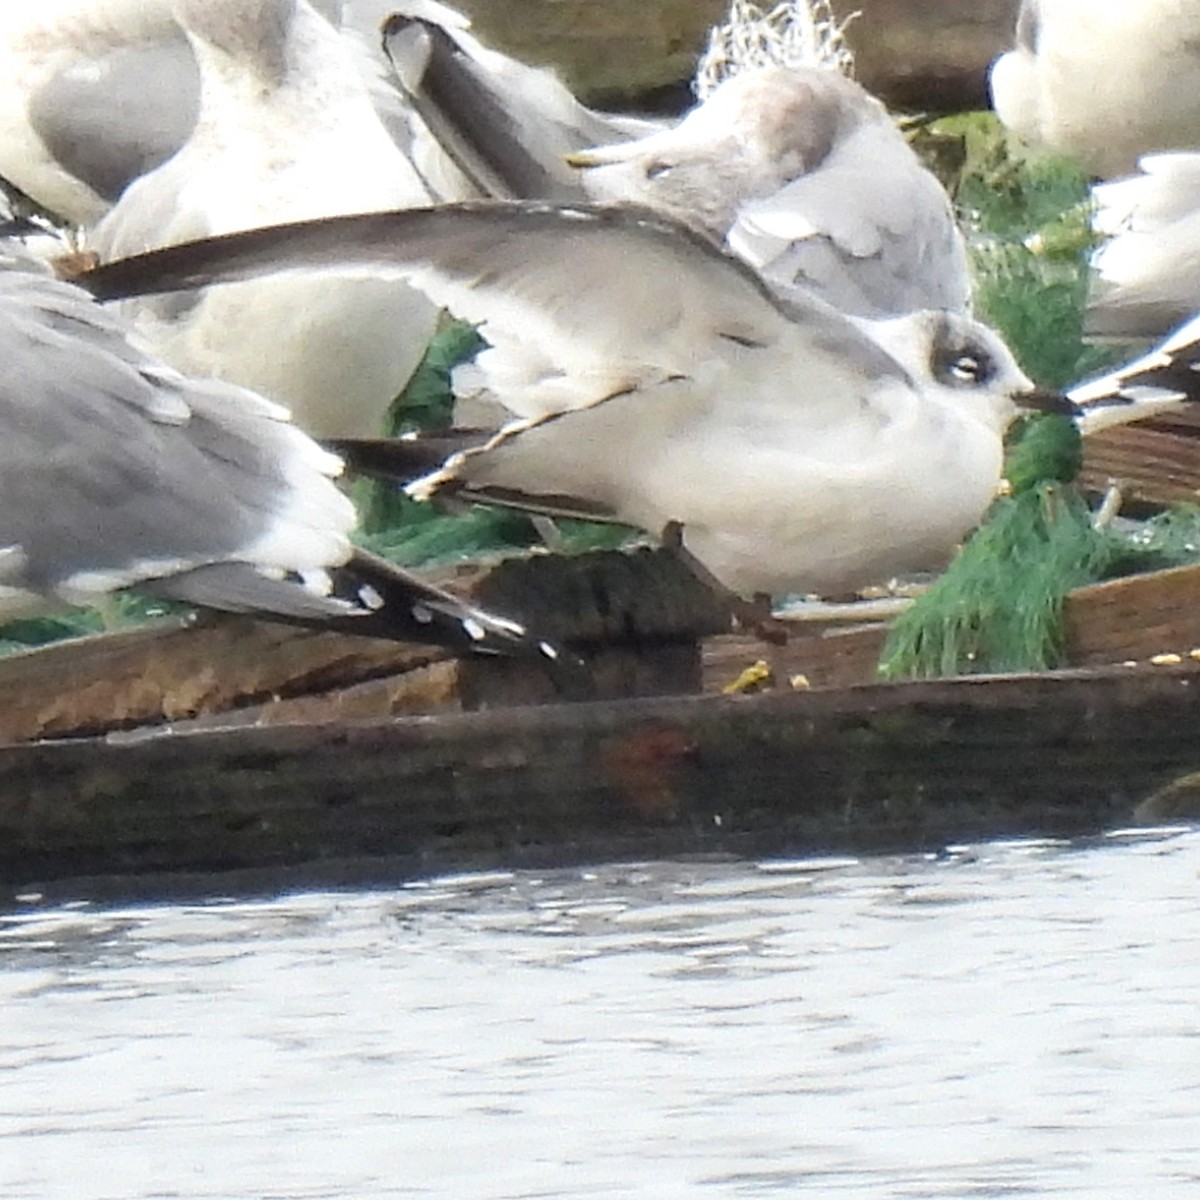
(654, 380)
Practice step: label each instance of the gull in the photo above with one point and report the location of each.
(1166, 379)
(499, 128)
(654, 380)
(92, 94)
(1146, 277)
(95, 93)
(286, 131)
(796, 167)
(1105, 81)
(119, 471)
(803, 174)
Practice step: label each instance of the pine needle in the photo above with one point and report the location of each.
(998, 607)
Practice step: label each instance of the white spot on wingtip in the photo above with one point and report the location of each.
(370, 597)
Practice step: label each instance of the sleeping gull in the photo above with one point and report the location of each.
(119, 471)
(1146, 277)
(805, 176)
(1103, 80)
(798, 168)
(656, 381)
(286, 131)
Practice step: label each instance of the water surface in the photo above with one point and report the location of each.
(1008, 1020)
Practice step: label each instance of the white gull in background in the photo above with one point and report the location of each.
(797, 449)
(286, 131)
(118, 471)
(805, 176)
(1146, 276)
(1103, 80)
(94, 93)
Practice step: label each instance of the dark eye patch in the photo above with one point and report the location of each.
(656, 168)
(963, 366)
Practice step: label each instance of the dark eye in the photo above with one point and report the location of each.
(966, 368)
(656, 168)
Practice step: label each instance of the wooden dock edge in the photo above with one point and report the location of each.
(857, 769)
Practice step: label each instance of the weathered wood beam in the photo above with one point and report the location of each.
(916, 54)
(910, 765)
(639, 616)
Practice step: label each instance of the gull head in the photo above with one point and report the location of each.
(755, 132)
(962, 362)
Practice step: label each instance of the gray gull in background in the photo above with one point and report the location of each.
(796, 167)
(805, 176)
(286, 131)
(118, 471)
(1105, 81)
(654, 380)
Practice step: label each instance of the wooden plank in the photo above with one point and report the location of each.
(1135, 618)
(641, 605)
(913, 765)
(831, 658)
(1154, 463)
(1120, 620)
(173, 670)
(929, 55)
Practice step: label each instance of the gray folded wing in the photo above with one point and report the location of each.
(115, 469)
(118, 115)
(871, 231)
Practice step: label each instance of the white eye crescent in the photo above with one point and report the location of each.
(656, 168)
(967, 368)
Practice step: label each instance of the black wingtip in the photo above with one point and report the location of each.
(405, 459)
(398, 604)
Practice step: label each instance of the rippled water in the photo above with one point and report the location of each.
(1008, 1020)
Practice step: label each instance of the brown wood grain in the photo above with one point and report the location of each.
(916, 54)
(1155, 463)
(784, 773)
